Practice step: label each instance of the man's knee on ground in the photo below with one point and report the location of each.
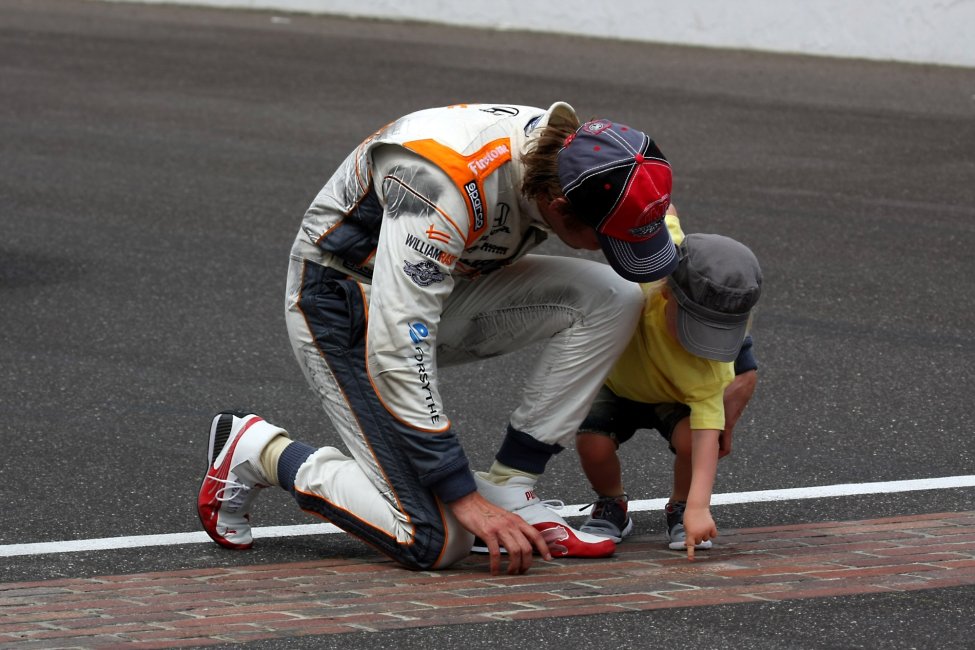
(432, 555)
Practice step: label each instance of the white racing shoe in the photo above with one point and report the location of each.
(233, 477)
(518, 496)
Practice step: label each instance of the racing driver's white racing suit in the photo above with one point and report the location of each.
(411, 257)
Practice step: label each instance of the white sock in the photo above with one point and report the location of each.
(500, 473)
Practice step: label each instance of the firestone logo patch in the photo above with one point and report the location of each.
(484, 161)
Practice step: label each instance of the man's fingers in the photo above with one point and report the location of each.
(538, 542)
(518, 539)
(689, 543)
(544, 551)
(521, 541)
(519, 552)
(518, 562)
(494, 555)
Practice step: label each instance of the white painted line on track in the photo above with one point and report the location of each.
(788, 494)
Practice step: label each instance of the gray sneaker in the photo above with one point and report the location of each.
(609, 519)
(674, 512)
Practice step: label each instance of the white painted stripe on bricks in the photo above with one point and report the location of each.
(174, 539)
(822, 492)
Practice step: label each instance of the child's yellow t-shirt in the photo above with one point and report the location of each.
(656, 369)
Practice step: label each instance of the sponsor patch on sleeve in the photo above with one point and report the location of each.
(423, 273)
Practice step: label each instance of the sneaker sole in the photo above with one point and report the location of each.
(553, 540)
(681, 546)
(480, 547)
(627, 529)
(600, 532)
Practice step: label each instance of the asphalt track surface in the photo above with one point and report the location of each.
(155, 164)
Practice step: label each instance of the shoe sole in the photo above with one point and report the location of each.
(480, 547)
(553, 542)
(682, 546)
(627, 529)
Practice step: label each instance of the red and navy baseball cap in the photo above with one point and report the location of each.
(618, 182)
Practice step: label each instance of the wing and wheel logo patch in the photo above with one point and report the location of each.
(423, 273)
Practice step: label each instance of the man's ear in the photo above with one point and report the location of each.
(561, 205)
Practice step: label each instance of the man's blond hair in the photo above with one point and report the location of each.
(541, 166)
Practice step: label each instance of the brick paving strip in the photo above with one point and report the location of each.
(341, 596)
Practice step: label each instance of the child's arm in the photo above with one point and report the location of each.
(739, 392)
(698, 524)
(736, 397)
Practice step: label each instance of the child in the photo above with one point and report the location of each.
(673, 377)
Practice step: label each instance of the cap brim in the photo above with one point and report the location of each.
(557, 113)
(643, 261)
(709, 339)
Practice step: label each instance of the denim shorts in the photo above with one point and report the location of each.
(619, 418)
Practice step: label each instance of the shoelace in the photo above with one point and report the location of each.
(600, 499)
(676, 510)
(238, 490)
(554, 504)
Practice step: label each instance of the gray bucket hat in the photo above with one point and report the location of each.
(717, 283)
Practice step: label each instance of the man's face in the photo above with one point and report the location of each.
(573, 232)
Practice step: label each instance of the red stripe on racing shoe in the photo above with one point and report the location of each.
(208, 507)
(565, 542)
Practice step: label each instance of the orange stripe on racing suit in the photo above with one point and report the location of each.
(467, 173)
